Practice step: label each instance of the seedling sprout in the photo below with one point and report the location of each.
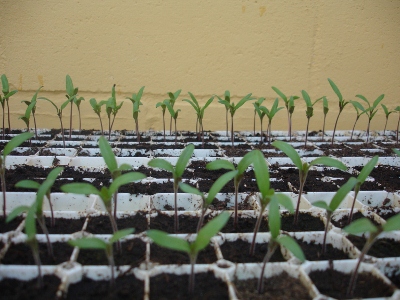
(309, 111)
(256, 105)
(97, 109)
(342, 104)
(4, 99)
(136, 103)
(163, 107)
(30, 110)
(112, 109)
(174, 115)
(360, 110)
(387, 114)
(270, 113)
(325, 110)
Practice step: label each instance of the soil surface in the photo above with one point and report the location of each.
(381, 248)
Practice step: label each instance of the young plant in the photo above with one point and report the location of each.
(4, 100)
(266, 195)
(30, 110)
(176, 173)
(309, 111)
(261, 115)
(335, 202)
(227, 98)
(136, 103)
(112, 108)
(107, 246)
(59, 114)
(270, 115)
(233, 109)
(97, 109)
(172, 99)
(256, 105)
(366, 170)
(199, 112)
(236, 173)
(365, 225)
(71, 95)
(289, 104)
(304, 167)
(325, 110)
(8, 148)
(203, 238)
(207, 200)
(371, 110)
(360, 110)
(342, 104)
(398, 123)
(387, 114)
(163, 107)
(274, 223)
(174, 115)
(78, 102)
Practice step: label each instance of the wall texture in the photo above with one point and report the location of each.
(205, 47)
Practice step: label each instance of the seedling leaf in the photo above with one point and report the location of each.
(184, 159)
(392, 223)
(161, 164)
(290, 152)
(360, 226)
(89, 243)
(121, 233)
(164, 240)
(290, 244)
(15, 142)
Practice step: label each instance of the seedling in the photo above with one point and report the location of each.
(112, 108)
(261, 115)
(214, 190)
(309, 111)
(172, 99)
(97, 109)
(4, 100)
(326, 110)
(8, 148)
(136, 103)
(78, 102)
(274, 223)
(342, 104)
(387, 114)
(107, 246)
(163, 107)
(256, 105)
(199, 112)
(304, 167)
(266, 195)
(371, 110)
(398, 123)
(30, 109)
(360, 110)
(233, 109)
(176, 173)
(289, 104)
(71, 95)
(174, 115)
(191, 248)
(235, 173)
(270, 115)
(362, 226)
(335, 202)
(227, 98)
(59, 114)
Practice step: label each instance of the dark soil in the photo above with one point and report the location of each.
(170, 286)
(313, 252)
(13, 289)
(381, 248)
(306, 222)
(187, 224)
(280, 287)
(384, 212)
(387, 176)
(126, 287)
(12, 225)
(244, 225)
(166, 256)
(334, 284)
(341, 223)
(63, 226)
(102, 224)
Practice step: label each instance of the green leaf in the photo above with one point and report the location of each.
(120, 234)
(274, 218)
(89, 243)
(183, 160)
(329, 162)
(220, 164)
(69, 86)
(306, 98)
(290, 152)
(358, 105)
(164, 240)
(27, 184)
(360, 226)
(81, 188)
(262, 173)
(247, 160)
(189, 189)
(290, 244)
(385, 109)
(30, 223)
(161, 164)
(378, 100)
(396, 151)
(321, 204)
(125, 167)
(341, 193)
(336, 90)
(363, 98)
(285, 201)
(16, 212)
(125, 179)
(367, 169)
(209, 230)
(15, 142)
(108, 155)
(4, 83)
(219, 184)
(282, 95)
(10, 94)
(393, 223)
(242, 101)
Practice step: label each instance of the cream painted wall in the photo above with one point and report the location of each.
(204, 47)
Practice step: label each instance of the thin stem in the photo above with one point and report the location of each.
(256, 229)
(176, 134)
(201, 219)
(290, 127)
(170, 126)
(334, 128)
(397, 131)
(3, 123)
(308, 122)
(34, 123)
(80, 120)
(254, 123)
(42, 225)
(384, 129)
(53, 220)
(36, 257)
(369, 123)
(70, 121)
(232, 136)
(261, 131)
(269, 131)
(110, 258)
(101, 125)
(62, 131)
(109, 128)
(176, 220)
(271, 249)
(328, 218)
(114, 227)
(163, 119)
(354, 126)
(191, 277)
(137, 130)
(3, 187)
(356, 190)
(115, 204)
(8, 116)
(302, 182)
(226, 121)
(288, 118)
(323, 128)
(235, 222)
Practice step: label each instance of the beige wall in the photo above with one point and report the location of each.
(204, 47)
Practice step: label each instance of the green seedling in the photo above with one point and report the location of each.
(206, 200)
(97, 109)
(30, 110)
(289, 104)
(8, 148)
(342, 104)
(304, 167)
(309, 111)
(236, 174)
(398, 124)
(107, 246)
(191, 248)
(274, 223)
(176, 173)
(30, 231)
(397, 152)
(59, 114)
(387, 114)
(106, 194)
(227, 98)
(360, 110)
(335, 202)
(362, 226)
(78, 102)
(261, 115)
(233, 109)
(4, 99)
(174, 115)
(135, 113)
(366, 170)
(256, 105)
(325, 110)
(172, 99)
(199, 112)
(163, 107)
(270, 113)
(71, 94)
(371, 110)
(112, 109)
(266, 195)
